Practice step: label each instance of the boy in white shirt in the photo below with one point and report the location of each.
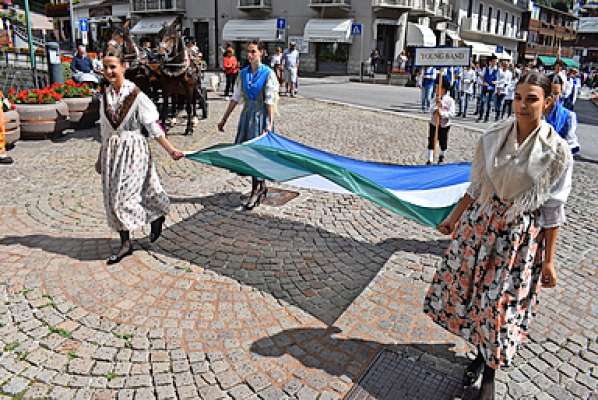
(443, 109)
(509, 97)
(468, 81)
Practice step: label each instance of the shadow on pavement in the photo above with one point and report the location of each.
(326, 350)
(317, 270)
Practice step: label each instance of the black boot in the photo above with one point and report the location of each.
(474, 370)
(126, 248)
(487, 390)
(257, 196)
(156, 228)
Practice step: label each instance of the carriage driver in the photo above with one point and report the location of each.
(192, 53)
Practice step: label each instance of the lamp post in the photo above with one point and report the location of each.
(30, 43)
(73, 40)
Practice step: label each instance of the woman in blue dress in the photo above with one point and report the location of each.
(564, 121)
(257, 88)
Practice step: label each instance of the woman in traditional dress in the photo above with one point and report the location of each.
(562, 120)
(133, 195)
(258, 90)
(504, 234)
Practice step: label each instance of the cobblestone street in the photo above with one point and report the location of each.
(280, 302)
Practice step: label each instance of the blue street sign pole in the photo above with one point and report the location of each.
(356, 31)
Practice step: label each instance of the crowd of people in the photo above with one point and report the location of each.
(481, 89)
(491, 89)
(284, 63)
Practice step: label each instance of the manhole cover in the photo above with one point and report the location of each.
(279, 197)
(393, 377)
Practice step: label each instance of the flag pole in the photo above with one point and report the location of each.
(30, 43)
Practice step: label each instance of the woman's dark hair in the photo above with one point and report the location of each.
(537, 79)
(116, 51)
(260, 45)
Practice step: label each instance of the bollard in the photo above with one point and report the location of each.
(55, 73)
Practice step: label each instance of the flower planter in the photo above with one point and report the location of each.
(41, 121)
(11, 125)
(84, 112)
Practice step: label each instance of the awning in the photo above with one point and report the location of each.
(239, 30)
(328, 30)
(152, 25)
(480, 49)
(453, 35)
(547, 60)
(419, 35)
(569, 62)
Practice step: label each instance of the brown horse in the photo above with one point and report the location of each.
(178, 78)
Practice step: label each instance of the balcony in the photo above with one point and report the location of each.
(543, 50)
(396, 4)
(330, 3)
(423, 8)
(158, 6)
(467, 26)
(248, 5)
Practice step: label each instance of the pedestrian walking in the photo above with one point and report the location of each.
(231, 70)
(427, 87)
(443, 110)
(507, 107)
(562, 120)
(258, 90)
(574, 88)
(467, 89)
(489, 78)
(504, 78)
(374, 61)
(504, 234)
(291, 68)
(276, 65)
(133, 195)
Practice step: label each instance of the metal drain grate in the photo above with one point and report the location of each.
(393, 377)
(279, 197)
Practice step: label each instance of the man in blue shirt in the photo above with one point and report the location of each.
(81, 63)
(427, 87)
(489, 80)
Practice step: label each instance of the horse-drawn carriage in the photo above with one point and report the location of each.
(173, 76)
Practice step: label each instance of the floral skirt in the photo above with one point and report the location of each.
(486, 287)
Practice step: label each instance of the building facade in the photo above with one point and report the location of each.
(102, 15)
(493, 27)
(552, 33)
(587, 33)
(323, 29)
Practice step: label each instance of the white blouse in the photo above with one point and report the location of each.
(271, 92)
(147, 114)
(552, 212)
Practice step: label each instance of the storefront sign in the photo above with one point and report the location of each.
(442, 56)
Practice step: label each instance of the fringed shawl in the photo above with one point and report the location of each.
(522, 175)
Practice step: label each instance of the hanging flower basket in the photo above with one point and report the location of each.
(84, 107)
(42, 114)
(12, 130)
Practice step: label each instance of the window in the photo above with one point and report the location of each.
(497, 21)
(504, 27)
(469, 8)
(489, 22)
(512, 24)
(480, 13)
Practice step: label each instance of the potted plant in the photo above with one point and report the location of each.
(84, 107)
(41, 112)
(11, 120)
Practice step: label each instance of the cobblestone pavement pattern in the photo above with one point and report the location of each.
(290, 302)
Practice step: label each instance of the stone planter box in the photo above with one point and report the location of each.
(12, 128)
(41, 121)
(84, 112)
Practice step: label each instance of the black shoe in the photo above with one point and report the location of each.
(478, 120)
(156, 229)
(473, 372)
(440, 159)
(6, 160)
(485, 119)
(122, 253)
(257, 199)
(428, 162)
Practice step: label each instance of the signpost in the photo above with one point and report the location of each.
(84, 28)
(281, 25)
(356, 30)
(441, 57)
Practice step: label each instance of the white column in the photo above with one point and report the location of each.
(401, 43)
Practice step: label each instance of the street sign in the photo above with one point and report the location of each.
(356, 29)
(442, 56)
(83, 25)
(281, 23)
(499, 48)
(84, 40)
